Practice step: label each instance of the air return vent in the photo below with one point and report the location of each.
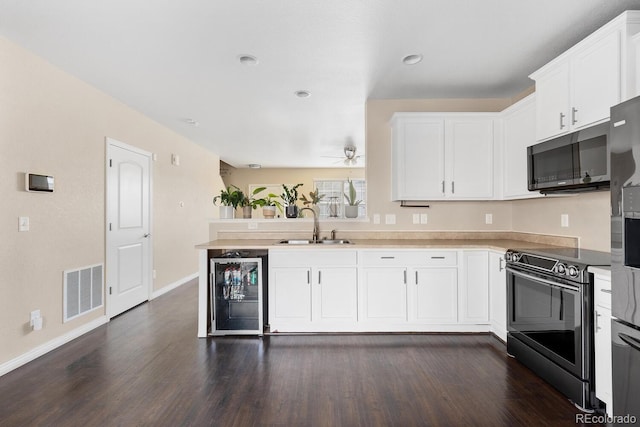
(83, 290)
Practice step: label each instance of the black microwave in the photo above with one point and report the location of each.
(570, 163)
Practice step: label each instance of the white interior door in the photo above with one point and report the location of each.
(128, 239)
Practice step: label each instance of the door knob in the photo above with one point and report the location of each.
(146, 235)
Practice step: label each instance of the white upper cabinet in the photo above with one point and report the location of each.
(518, 133)
(442, 156)
(578, 88)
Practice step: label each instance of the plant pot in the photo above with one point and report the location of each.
(351, 211)
(227, 212)
(246, 212)
(269, 211)
(291, 211)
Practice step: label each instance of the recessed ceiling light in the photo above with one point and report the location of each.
(412, 59)
(254, 166)
(248, 60)
(191, 122)
(302, 93)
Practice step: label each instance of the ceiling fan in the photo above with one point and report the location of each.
(350, 158)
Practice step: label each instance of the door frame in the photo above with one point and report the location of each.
(109, 143)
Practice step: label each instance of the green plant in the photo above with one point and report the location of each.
(314, 198)
(351, 197)
(272, 200)
(229, 197)
(252, 200)
(290, 195)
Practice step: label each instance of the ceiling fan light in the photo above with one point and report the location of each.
(350, 152)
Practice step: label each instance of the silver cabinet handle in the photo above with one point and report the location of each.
(437, 257)
(308, 277)
(405, 277)
(606, 291)
(442, 187)
(387, 257)
(453, 187)
(574, 120)
(319, 277)
(562, 121)
(416, 277)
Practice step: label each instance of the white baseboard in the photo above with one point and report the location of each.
(51, 345)
(174, 285)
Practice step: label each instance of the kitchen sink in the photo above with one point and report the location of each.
(311, 242)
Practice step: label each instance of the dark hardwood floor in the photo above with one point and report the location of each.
(146, 367)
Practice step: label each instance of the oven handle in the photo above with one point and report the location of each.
(545, 281)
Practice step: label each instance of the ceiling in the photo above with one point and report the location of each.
(178, 60)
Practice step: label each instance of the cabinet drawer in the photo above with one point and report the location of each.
(602, 291)
(409, 258)
(310, 257)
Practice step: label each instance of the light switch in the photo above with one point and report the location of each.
(564, 220)
(488, 218)
(424, 218)
(23, 223)
(416, 218)
(376, 218)
(390, 219)
(175, 160)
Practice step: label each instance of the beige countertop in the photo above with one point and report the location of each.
(493, 244)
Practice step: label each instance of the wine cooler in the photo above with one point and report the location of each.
(236, 305)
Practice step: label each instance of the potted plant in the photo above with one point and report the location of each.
(270, 203)
(351, 209)
(229, 200)
(313, 200)
(248, 203)
(290, 197)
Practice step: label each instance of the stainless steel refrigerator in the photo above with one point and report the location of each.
(625, 256)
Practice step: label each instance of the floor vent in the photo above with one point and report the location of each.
(83, 290)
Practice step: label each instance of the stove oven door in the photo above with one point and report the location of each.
(547, 315)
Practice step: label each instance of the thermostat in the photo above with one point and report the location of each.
(41, 183)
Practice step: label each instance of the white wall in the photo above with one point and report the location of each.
(53, 123)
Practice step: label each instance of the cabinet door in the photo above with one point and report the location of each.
(596, 81)
(603, 357)
(435, 296)
(335, 296)
(552, 102)
(498, 294)
(469, 158)
(384, 294)
(474, 291)
(519, 133)
(418, 158)
(289, 296)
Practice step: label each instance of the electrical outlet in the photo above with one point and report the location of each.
(35, 314)
(390, 219)
(253, 225)
(23, 223)
(416, 218)
(564, 220)
(376, 218)
(424, 218)
(488, 218)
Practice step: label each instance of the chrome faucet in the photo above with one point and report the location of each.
(316, 224)
(333, 234)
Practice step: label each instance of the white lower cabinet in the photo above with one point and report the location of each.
(312, 290)
(384, 294)
(434, 295)
(474, 289)
(498, 294)
(602, 296)
(371, 290)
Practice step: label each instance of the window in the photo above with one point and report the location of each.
(332, 204)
